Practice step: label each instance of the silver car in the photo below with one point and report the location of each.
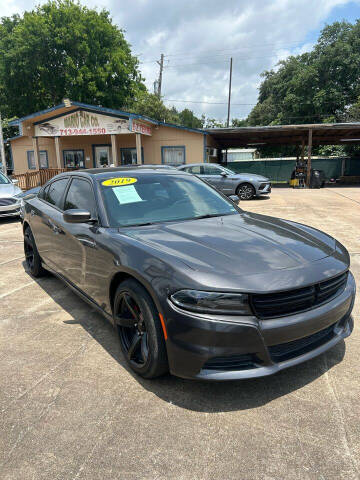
(244, 185)
(9, 200)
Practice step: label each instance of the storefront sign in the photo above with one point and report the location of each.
(82, 122)
(138, 127)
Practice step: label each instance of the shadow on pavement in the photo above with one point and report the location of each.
(189, 394)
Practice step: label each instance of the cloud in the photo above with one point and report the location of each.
(199, 36)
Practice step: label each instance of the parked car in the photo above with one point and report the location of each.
(191, 283)
(244, 185)
(9, 200)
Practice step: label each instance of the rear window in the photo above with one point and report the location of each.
(54, 193)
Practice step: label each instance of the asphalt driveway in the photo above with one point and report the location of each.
(69, 408)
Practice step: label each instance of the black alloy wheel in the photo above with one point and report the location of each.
(28, 249)
(32, 257)
(140, 333)
(133, 334)
(245, 191)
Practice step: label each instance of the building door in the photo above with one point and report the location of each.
(103, 156)
(128, 156)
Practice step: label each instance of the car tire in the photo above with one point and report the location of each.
(139, 329)
(32, 257)
(245, 191)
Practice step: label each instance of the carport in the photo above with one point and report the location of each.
(303, 135)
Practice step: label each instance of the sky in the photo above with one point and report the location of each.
(198, 37)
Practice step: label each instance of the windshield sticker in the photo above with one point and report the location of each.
(127, 194)
(119, 181)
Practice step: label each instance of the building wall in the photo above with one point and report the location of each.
(161, 136)
(173, 137)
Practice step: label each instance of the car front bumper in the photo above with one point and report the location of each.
(265, 190)
(214, 347)
(10, 210)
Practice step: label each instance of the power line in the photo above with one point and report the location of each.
(229, 52)
(238, 104)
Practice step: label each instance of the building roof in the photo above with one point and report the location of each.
(69, 106)
(322, 134)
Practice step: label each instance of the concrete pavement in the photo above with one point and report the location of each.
(69, 408)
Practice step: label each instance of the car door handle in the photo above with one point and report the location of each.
(88, 243)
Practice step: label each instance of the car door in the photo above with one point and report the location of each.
(212, 174)
(80, 241)
(45, 221)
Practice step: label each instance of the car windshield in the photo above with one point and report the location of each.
(153, 198)
(3, 180)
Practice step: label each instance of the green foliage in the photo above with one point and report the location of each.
(314, 87)
(187, 118)
(152, 106)
(63, 49)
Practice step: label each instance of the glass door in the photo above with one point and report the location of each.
(128, 156)
(103, 156)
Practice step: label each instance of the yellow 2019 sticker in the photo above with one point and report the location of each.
(119, 181)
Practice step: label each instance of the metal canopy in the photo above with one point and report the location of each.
(322, 134)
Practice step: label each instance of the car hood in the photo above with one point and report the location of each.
(9, 190)
(242, 244)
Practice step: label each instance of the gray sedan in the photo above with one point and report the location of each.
(9, 200)
(244, 185)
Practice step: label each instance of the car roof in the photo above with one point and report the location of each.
(196, 164)
(101, 173)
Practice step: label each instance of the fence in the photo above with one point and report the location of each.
(279, 170)
(37, 178)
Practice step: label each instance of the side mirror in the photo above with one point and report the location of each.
(223, 174)
(15, 181)
(75, 215)
(234, 198)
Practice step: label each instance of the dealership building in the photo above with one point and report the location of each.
(78, 135)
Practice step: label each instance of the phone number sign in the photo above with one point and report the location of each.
(138, 127)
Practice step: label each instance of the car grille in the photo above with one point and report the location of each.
(231, 362)
(7, 201)
(286, 351)
(271, 305)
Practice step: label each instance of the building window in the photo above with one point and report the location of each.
(129, 156)
(44, 162)
(74, 158)
(173, 155)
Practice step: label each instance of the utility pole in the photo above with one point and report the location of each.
(2, 149)
(230, 77)
(159, 82)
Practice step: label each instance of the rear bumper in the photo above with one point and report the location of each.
(228, 348)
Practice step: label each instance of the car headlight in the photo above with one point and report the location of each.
(212, 302)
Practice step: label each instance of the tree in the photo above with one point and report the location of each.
(313, 87)
(188, 119)
(63, 49)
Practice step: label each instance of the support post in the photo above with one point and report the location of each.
(159, 83)
(308, 176)
(138, 148)
(2, 149)
(302, 150)
(57, 152)
(114, 150)
(229, 98)
(36, 152)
